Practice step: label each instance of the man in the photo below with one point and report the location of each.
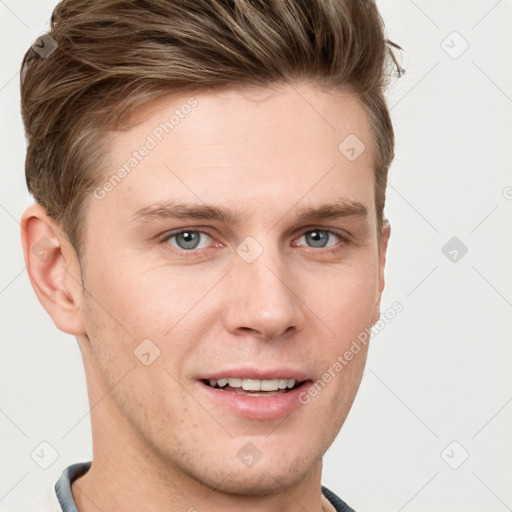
(209, 179)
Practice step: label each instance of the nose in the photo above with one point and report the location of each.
(263, 300)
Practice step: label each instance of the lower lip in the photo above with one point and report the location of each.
(257, 407)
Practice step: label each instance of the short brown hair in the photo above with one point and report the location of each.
(111, 57)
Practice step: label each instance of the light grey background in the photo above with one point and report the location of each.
(439, 373)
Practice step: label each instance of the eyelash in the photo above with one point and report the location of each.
(344, 240)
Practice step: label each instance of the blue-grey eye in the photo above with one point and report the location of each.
(318, 237)
(188, 239)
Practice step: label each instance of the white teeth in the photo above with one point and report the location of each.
(282, 383)
(269, 385)
(251, 385)
(254, 384)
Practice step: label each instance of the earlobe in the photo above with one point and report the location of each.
(383, 247)
(53, 269)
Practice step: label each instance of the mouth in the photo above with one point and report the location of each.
(254, 387)
(255, 393)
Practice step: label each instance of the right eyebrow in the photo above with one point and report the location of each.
(177, 210)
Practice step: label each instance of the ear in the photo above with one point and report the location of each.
(53, 269)
(383, 247)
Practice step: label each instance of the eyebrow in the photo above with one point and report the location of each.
(178, 210)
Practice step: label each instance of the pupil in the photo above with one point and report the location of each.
(189, 242)
(317, 236)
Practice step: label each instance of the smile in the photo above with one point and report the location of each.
(253, 387)
(260, 399)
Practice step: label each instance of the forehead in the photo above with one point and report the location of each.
(256, 150)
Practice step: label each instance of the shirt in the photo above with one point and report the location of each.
(66, 503)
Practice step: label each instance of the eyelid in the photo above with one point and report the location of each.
(345, 237)
(166, 236)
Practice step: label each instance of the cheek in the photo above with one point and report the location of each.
(132, 301)
(130, 314)
(345, 312)
(346, 302)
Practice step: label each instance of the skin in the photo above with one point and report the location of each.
(158, 444)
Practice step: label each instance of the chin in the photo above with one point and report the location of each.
(263, 478)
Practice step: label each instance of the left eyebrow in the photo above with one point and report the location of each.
(341, 208)
(338, 210)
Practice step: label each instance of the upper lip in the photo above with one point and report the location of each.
(257, 374)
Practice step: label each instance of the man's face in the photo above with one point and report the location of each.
(271, 296)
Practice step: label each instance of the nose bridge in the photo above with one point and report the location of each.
(262, 298)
